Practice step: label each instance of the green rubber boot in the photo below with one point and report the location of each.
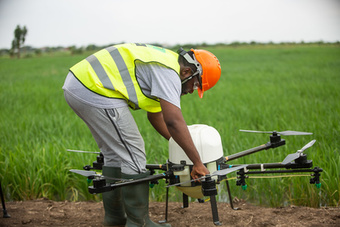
(136, 202)
(112, 200)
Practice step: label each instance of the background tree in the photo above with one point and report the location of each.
(19, 39)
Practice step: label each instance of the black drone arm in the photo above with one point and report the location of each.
(100, 185)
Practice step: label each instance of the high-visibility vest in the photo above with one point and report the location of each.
(111, 72)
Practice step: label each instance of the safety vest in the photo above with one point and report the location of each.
(111, 72)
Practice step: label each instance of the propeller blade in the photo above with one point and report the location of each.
(242, 130)
(222, 172)
(284, 133)
(294, 133)
(308, 145)
(83, 172)
(89, 152)
(189, 181)
(92, 173)
(290, 158)
(227, 171)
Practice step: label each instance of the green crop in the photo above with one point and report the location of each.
(261, 88)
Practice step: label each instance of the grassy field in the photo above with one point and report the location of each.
(261, 88)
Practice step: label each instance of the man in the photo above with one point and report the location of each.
(101, 88)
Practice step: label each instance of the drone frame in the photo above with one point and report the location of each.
(301, 164)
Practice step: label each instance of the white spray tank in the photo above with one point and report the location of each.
(209, 146)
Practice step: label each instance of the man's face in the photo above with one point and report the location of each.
(190, 86)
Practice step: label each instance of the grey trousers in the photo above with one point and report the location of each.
(116, 134)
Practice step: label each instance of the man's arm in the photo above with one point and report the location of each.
(157, 121)
(178, 129)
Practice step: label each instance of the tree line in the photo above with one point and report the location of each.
(20, 33)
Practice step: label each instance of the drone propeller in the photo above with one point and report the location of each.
(84, 172)
(94, 174)
(284, 133)
(292, 157)
(89, 152)
(222, 172)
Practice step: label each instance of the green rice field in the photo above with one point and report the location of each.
(262, 87)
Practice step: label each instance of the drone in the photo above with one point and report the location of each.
(176, 171)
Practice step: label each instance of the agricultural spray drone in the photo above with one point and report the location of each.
(177, 169)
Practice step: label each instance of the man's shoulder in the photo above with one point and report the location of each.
(153, 65)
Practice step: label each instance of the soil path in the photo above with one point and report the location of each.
(51, 213)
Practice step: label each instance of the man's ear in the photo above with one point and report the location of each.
(186, 71)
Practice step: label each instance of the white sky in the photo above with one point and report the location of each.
(102, 22)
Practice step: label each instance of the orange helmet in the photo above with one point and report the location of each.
(210, 70)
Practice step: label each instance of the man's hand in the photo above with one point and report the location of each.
(199, 171)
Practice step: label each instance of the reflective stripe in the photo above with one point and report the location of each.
(124, 73)
(99, 70)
